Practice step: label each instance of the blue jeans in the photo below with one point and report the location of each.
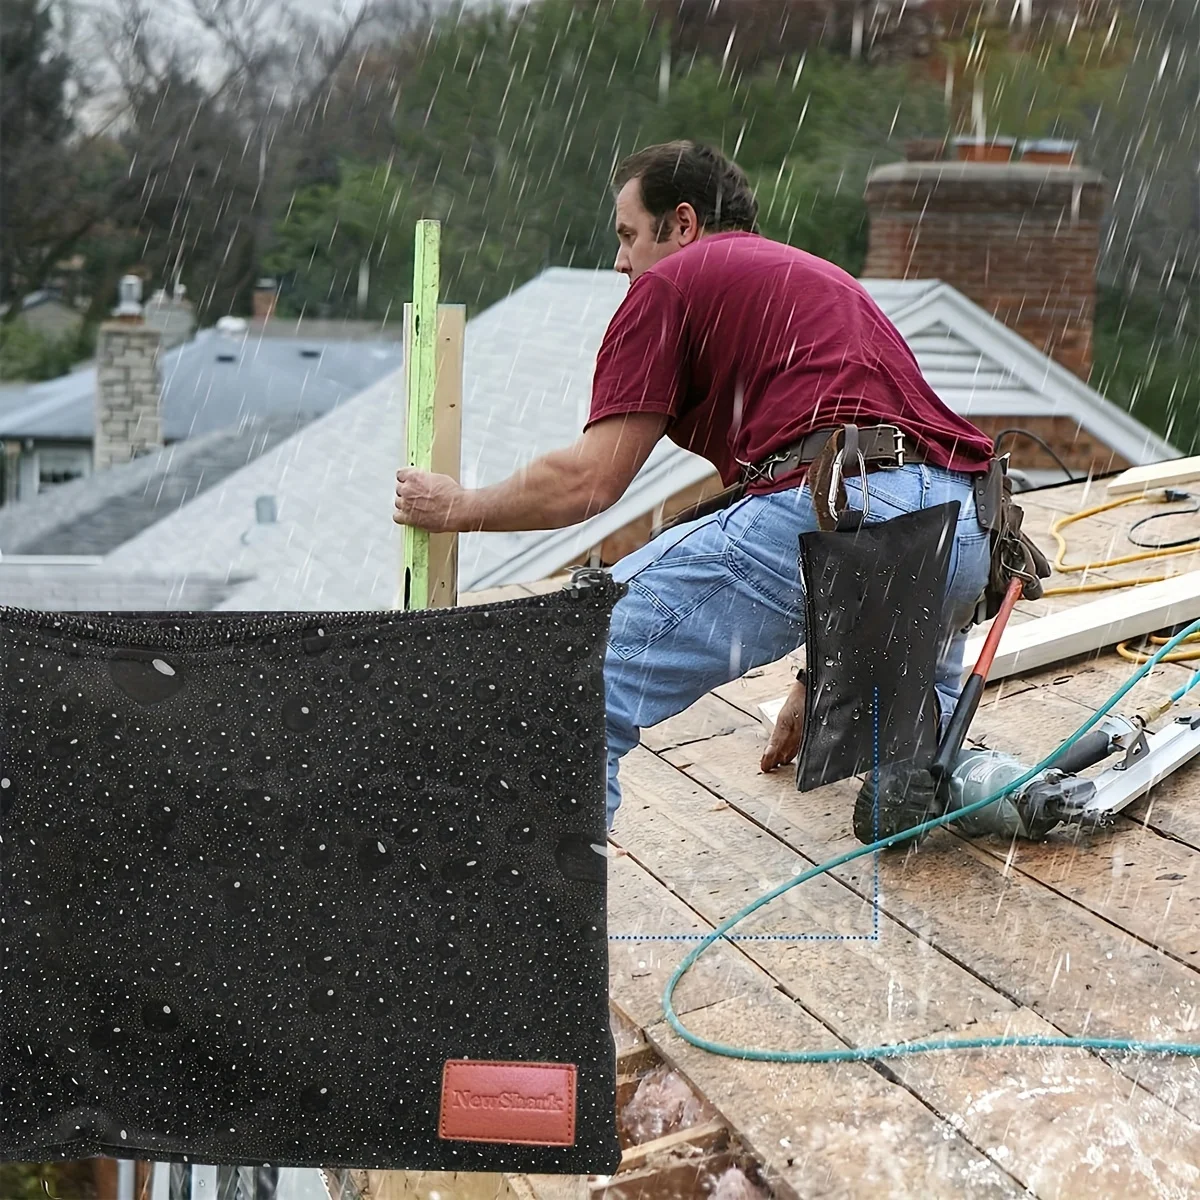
(712, 599)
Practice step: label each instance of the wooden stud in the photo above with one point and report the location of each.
(447, 446)
(712, 1135)
(1154, 476)
(420, 327)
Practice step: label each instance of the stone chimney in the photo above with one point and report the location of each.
(128, 390)
(1021, 239)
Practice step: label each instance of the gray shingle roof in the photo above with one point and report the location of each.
(528, 374)
(202, 394)
(98, 513)
(70, 587)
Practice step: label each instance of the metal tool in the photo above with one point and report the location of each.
(1058, 797)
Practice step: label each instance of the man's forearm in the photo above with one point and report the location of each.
(552, 492)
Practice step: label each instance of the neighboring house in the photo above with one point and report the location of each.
(306, 523)
(45, 312)
(214, 382)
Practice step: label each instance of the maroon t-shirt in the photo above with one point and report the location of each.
(748, 344)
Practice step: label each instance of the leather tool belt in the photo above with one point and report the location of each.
(831, 452)
(881, 446)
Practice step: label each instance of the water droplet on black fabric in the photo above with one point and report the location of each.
(520, 834)
(578, 860)
(499, 788)
(159, 1016)
(61, 715)
(360, 672)
(240, 896)
(8, 795)
(509, 877)
(300, 714)
(407, 834)
(64, 746)
(374, 855)
(315, 640)
(324, 1000)
(460, 870)
(322, 963)
(145, 677)
(318, 851)
(262, 804)
(107, 1036)
(316, 1098)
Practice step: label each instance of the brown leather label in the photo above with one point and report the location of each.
(517, 1103)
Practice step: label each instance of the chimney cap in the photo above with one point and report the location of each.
(953, 171)
(129, 297)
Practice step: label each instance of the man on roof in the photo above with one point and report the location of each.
(748, 353)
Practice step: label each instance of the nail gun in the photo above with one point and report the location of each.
(1059, 796)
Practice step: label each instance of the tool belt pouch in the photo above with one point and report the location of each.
(308, 888)
(1013, 553)
(873, 596)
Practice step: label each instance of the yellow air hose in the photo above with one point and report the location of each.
(1065, 568)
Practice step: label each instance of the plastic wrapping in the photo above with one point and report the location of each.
(262, 875)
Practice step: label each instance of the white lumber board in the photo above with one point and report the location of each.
(1153, 476)
(1032, 645)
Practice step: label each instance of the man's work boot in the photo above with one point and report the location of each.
(907, 796)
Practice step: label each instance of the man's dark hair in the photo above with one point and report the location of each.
(685, 172)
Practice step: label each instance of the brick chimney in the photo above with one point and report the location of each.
(1021, 239)
(128, 390)
(266, 293)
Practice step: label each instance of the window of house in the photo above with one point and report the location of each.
(61, 464)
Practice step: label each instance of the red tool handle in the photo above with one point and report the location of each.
(972, 693)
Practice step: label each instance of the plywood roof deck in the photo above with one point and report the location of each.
(1094, 934)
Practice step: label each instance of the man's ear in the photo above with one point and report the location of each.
(687, 224)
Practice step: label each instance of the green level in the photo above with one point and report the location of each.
(421, 378)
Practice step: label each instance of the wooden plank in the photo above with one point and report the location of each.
(826, 1129)
(446, 455)
(438, 1185)
(683, 1179)
(1155, 475)
(1074, 968)
(421, 374)
(864, 1007)
(1091, 626)
(708, 717)
(1063, 1122)
(866, 985)
(708, 1136)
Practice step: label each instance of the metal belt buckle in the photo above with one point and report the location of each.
(897, 450)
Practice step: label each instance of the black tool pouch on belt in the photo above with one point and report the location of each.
(873, 605)
(1014, 556)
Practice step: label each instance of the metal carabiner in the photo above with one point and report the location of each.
(835, 480)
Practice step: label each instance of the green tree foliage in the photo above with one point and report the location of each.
(330, 230)
(55, 184)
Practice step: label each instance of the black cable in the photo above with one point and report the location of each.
(1033, 437)
(1190, 540)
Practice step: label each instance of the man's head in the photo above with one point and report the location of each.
(671, 195)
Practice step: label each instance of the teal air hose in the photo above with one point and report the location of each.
(894, 1051)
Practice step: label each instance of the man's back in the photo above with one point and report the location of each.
(749, 344)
